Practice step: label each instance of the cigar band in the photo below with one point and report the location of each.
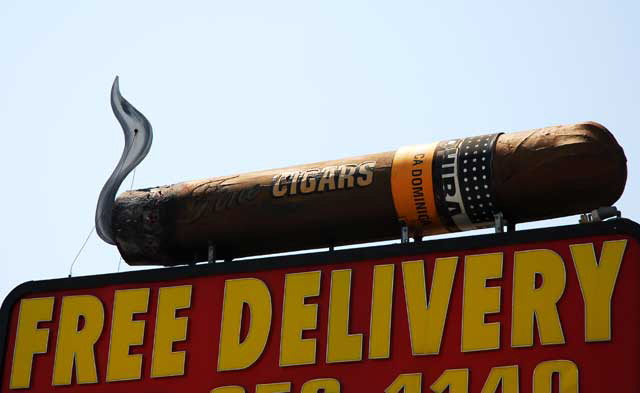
(412, 189)
(463, 183)
(446, 183)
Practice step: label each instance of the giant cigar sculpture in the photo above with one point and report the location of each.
(448, 186)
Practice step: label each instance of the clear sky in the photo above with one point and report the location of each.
(236, 86)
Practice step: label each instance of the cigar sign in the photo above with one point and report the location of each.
(547, 310)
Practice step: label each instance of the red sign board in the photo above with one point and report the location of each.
(547, 310)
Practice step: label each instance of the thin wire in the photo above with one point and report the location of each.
(80, 250)
(133, 178)
(94, 227)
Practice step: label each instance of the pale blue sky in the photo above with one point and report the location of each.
(237, 86)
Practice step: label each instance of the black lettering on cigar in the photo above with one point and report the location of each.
(449, 181)
(417, 186)
(226, 199)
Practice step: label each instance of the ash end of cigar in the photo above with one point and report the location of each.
(138, 218)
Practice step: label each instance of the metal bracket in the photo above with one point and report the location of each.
(212, 253)
(404, 234)
(600, 214)
(499, 222)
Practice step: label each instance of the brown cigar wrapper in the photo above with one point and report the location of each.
(239, 215)
(558, 171)
(538, 174)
